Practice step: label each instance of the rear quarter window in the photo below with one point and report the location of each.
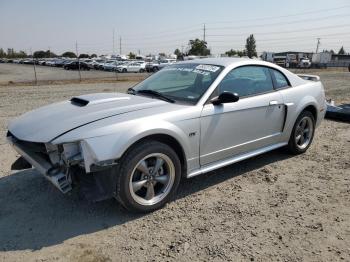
(280, 80)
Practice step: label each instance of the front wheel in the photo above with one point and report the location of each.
(302, 133)
(148, 176)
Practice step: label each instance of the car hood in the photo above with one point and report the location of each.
(49, 122)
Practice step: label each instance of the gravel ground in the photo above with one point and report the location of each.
(274, 207)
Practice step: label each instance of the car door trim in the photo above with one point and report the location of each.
(235, 159)
(242, 144)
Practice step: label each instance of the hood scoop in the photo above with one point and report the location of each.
(85, 100)
(79, 102)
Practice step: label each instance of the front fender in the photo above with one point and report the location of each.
(114, 145)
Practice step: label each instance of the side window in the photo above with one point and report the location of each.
(281, 80)
(247, 80)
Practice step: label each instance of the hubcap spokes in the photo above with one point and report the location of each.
(304, 132)
(152, 179)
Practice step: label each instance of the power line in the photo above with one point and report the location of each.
(185, 29)
(283, 16)
(283, 39)
(281, 24)
(283, 32)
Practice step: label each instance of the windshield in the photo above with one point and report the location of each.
(182, 82)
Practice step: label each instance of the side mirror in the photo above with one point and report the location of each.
(225, 97)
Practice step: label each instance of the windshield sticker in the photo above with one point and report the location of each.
(183, 69)
(210, 68)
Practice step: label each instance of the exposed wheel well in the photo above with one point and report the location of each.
(170, 141)
(312, 110)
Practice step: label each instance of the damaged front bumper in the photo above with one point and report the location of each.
(55, 174)
(66, 165)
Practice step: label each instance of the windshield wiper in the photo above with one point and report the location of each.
(156, 94)
(131, 91)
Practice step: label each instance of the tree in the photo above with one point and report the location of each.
(10, 53)
(40, 54)
(231, 52)
(250, 46)
(20, 54)
(162, 54)
(177, 52)
(328, 51)
(179, 55)
(69, 54)
(236, 53)
(198, 47)
(93, 56)
(83, 56)
(2, 53)
(341, 51)
(131, 55)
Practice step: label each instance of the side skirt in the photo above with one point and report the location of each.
(235, 159)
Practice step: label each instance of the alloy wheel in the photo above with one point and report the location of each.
(152, 179)
(304, 132)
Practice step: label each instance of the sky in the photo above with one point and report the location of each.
(155, 26)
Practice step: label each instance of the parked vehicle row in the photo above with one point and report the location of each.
(111, 65)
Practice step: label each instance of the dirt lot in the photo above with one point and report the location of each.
(275, 207)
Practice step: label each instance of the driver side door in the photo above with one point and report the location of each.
(254, 121)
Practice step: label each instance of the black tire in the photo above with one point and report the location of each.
(124, 70)
(128, 164)
(293, 146)
(142, 70)
(155, 69)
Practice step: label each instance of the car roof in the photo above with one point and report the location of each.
(222, 61)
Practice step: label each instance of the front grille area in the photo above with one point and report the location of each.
(37, 148)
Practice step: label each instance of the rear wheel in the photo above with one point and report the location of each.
(148, 176)
(302, 134)
(124, 70)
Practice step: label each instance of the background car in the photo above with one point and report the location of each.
(110, 65)
(75, 66)
(135, 67)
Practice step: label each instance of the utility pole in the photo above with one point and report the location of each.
(113, 43)
(318, 44)
(204, 33)
(120, 45)
(76, 49)
(36, 80)
(49, 52)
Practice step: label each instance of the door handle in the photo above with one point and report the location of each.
(273, 103)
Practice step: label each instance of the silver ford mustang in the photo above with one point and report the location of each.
(189, 118)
